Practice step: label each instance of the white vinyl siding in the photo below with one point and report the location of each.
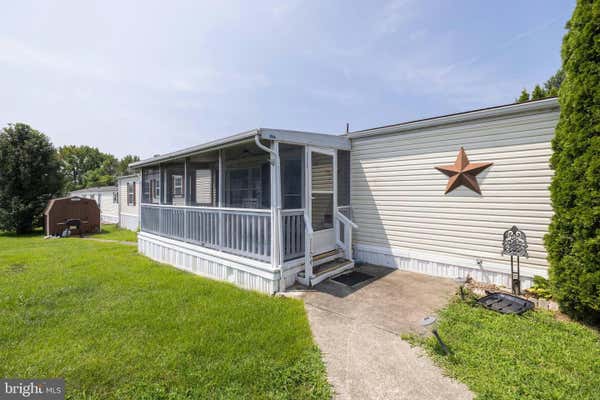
(129, 214)
(398, 197)
(125, 207)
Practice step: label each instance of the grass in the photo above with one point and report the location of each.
(117, 325)
(533, 356)
(113, 232)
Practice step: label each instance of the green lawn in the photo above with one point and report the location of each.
(533, 356)
(116, 325)
(113, 232)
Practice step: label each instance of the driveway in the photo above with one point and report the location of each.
(358, 330)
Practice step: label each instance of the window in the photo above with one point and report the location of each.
(322, 191)
(115, 197)
(178, 185)
(203, 185)
(131, 193)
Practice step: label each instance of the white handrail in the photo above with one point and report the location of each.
(294, 211)
(215, 209)
(346, 220)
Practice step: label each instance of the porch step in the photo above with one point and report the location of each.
(325, 271)
(323, 258)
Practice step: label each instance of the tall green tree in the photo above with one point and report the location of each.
(523, 97)
(573, 241)
(123, 168)
(553, 83)
(104, 175)
(538, 93)
(76, 161)
(29, 177)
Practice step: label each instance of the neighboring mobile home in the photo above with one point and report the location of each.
(129, 201)
(107, 199)
(265, 208)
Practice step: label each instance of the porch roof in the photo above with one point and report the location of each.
(288, 136)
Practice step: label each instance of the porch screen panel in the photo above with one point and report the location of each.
(343, 178)
(247, 177)
(150, 185)
(292, 175)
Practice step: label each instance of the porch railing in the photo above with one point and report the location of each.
(245, 232)
(344, 227)
(293, 233)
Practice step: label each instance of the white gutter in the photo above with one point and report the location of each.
(277, 206)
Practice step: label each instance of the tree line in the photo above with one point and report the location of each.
(549, 89)
(33, 171)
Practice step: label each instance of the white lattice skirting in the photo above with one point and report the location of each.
(439, 265)
(243, 272)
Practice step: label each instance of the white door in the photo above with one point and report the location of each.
(322, 198)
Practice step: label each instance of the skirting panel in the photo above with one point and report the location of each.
(436, 267)
(129, 222)
(109, 219)
(208, 265)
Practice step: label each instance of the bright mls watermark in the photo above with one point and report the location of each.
(39, 389)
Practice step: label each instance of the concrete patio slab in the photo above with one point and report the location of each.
(358, 330)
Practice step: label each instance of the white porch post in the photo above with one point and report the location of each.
(187, 179)
(221, 199)
(187, 185)
(274, 233)
(160, 184)
(308, 267)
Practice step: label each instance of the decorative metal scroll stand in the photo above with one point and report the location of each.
(514, 244)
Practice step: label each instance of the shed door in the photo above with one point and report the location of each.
(322, 197)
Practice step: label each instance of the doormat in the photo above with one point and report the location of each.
(353, 278)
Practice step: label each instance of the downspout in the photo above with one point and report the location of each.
(277, 217)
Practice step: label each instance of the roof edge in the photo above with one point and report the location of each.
(495, 111)
(94, 188)
(194, 149)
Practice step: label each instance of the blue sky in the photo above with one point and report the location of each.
(151, 77)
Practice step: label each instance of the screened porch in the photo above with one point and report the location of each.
(250, 199)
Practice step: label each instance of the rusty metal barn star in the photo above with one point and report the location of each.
(463, 172)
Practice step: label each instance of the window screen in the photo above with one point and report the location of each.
(292, 175)
(343, 177)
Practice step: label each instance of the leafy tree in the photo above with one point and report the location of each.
(29, 177)
(104, 175)
(123, 167)
(85, 166)
(523, 97)
(573, 241)
(76, 161)
(538, 93)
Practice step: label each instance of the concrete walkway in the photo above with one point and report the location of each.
(358, 330)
